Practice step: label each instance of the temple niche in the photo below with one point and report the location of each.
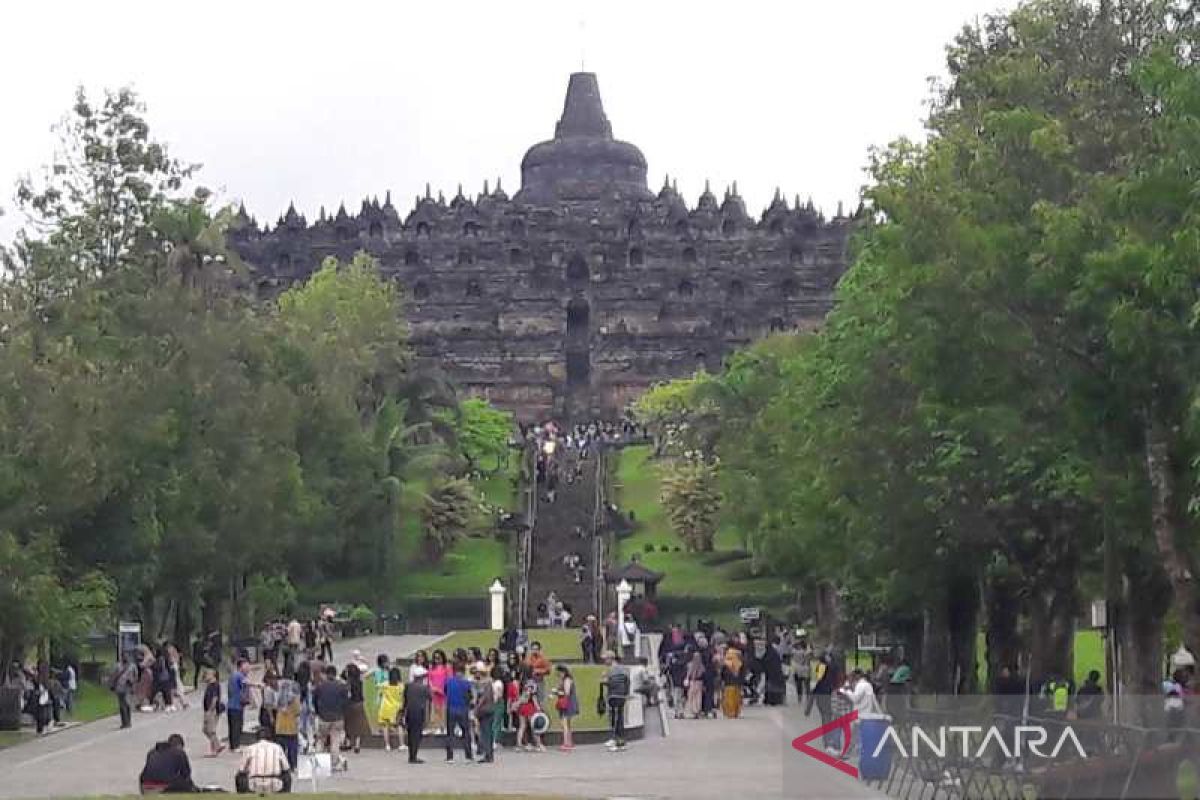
(584, 288)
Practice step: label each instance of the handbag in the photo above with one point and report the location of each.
(562, 703)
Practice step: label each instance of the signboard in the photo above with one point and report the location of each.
(129, 638)
(750, 614)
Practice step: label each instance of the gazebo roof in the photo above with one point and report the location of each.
(634, 572)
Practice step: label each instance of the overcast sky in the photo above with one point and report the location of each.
(320, 102)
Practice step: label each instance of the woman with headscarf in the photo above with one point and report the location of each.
(287, 719)
(775, 684)
(731, 677)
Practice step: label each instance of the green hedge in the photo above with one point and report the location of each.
(416, 606)
(706, 605)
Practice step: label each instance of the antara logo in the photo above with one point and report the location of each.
(975, 742)
(842, 723)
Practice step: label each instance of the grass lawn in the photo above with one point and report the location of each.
(557, 644)
(637, 490)
(92, 702)
(10, 738)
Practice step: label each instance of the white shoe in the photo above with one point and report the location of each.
(402, 747)
(611, 743)
(387, 748)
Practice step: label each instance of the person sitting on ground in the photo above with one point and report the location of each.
(167, 769)
(264, 767)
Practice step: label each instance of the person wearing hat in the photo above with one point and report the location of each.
(417, 701)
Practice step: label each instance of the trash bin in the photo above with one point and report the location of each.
(874, 766)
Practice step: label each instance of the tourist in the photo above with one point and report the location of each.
(631, 637)
(528, 705)
(485, 712)
(614, 692)
(731, 676)
(330, 700)
(566, 703)
(39, 703)
(70, 681)
(175, 664)
(676, 670)
(391, 700)
(266, 705)
(822, 696)
(310, 639)
(500, 709)
(802, 665)
(458, 711)
(357, 726)
(237, 700)
(325, 636)
(512, 694)
(212, 708)
(439, 673)
(493, 659)
(145, 685)
(1175, 690)
(417, 703)
(774, 681)
(200, 660)
(124, 683)
(167, 769)
(588, 644)
(693, 682)
(304, 685)
(287, 719)
(264, 768)
(294, 642)
(539, 669)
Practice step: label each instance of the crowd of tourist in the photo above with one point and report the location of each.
(468, 698)
(47, 693)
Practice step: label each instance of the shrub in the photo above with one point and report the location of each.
(648, 547)
(361, 615)
(666, 548)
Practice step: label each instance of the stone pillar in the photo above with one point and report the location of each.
(624, 592)
(497, 590)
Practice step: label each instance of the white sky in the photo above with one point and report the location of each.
(331, 101)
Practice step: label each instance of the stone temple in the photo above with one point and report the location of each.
(584, 288)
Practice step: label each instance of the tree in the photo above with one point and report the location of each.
(446, 515)
(39, 606)
(692, 502)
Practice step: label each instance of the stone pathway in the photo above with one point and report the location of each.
(746, 759)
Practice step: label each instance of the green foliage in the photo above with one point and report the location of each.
(692, 502)
(38, 604)
(362, 615)
(482, 432)
(271, 596)
(183, 443)
(446, 515)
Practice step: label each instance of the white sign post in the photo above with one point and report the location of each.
(497, 591)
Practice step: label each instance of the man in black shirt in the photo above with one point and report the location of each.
(416, 706)
(167, 768)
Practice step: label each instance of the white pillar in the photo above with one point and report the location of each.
(624, 592)
(497, 590)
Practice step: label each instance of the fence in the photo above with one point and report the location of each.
(1076, 760)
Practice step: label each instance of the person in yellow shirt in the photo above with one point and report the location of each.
(391, 703)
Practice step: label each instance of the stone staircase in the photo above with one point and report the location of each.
(556, 535)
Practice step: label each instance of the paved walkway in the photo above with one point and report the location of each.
(747, 758)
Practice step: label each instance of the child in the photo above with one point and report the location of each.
(391, 703)
(528, 706)
(566, 702)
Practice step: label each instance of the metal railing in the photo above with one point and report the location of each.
(525, 538)
(599, 517)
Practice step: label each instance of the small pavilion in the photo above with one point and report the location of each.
(643, 579)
